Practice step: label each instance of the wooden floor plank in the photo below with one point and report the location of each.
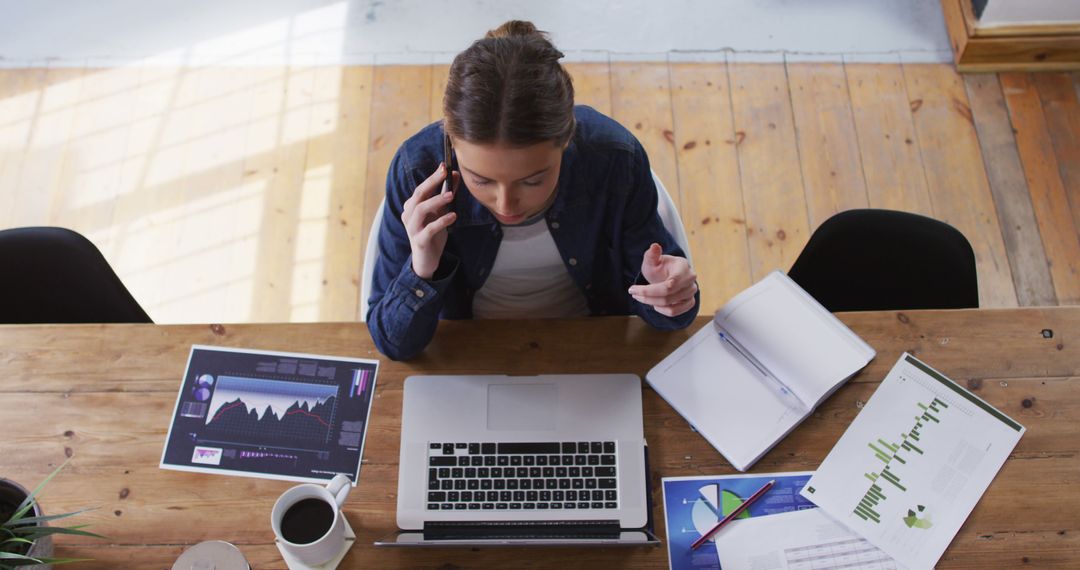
(1051, 204)
(142, 205)
(1061, 106)
(89, 178)
(344, 149)
(641, 102)
(772, 185)
(592, 84)
(186, 279)
(45, 153)
(277, 295)
(220, 183)
(892, 163)
(154, 169)
(956, 176)
(1019, 228)
(14, 130)
(167, 181)
(21, 93)
(109, 94)
(440, 73)
(315, 208)
(712, 208)
(828, 144)
(203, 199)
(400, 106)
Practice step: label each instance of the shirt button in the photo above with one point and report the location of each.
(419, 293)
(554, 225)
(573, 261)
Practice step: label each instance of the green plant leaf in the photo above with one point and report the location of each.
(36, 532)
(46, 518)
(28, 502)
(13, 556)
(57, 561)
(17, 539)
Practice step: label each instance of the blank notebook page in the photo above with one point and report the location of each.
(719, 388)
(824, 351)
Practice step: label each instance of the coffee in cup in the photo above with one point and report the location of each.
(308, 522)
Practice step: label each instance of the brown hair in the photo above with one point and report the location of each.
(510, 88)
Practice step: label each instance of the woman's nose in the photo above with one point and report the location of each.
(504, 200)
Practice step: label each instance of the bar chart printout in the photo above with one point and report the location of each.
(913, 464)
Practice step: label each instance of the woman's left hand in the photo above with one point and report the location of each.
(672, 283)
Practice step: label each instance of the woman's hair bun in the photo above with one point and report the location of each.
(515, 28)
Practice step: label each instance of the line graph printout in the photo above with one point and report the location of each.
(911, 467)
(276, 411)
(298, 417)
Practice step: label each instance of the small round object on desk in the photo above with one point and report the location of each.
(212, 555)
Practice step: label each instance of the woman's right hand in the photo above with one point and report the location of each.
(426, 216)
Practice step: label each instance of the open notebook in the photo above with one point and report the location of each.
(769, 357)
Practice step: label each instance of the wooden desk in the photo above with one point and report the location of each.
(103, 395)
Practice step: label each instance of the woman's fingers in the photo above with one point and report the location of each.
(423, 191)
(676, 309)
(664, 294)
(431, 184)
(680, 283)
(423, 213)
(439, 224)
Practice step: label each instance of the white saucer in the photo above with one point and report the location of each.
(294, 564)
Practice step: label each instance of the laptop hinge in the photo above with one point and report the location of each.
(461, 530)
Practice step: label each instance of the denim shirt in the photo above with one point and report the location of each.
(603, 219)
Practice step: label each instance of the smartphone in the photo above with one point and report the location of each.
(448, 160)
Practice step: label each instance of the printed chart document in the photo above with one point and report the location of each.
(799, 540)
(693, 505)
(769, 357)
(913, 464)
(275, 415)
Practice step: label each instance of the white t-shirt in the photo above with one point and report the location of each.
(528, 279)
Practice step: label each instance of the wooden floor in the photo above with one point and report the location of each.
(245, 194)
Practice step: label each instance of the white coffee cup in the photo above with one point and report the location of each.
(332, 542)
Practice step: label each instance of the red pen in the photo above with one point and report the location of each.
(738, 511)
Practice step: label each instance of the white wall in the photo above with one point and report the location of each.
(243, 32)
(1014, 12)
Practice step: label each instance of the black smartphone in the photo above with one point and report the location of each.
(448, 160)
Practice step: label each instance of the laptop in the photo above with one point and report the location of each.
(522, 460)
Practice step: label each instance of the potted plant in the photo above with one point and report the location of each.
(25, 537)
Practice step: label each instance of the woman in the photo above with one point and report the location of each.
(558, 217)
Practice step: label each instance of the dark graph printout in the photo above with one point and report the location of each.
(276, 415)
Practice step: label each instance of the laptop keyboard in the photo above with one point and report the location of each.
(522, 476)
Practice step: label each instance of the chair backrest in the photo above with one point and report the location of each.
(669, 215)
(55, 275)
(870, 260)
(371, 255)
(665, 207)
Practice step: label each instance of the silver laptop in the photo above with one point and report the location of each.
(522, 460)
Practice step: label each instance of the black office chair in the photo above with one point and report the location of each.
(55, 275)
(872, 260)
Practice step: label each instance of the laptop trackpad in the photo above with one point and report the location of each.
(522, 406)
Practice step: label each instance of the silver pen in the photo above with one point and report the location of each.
(777, 383)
